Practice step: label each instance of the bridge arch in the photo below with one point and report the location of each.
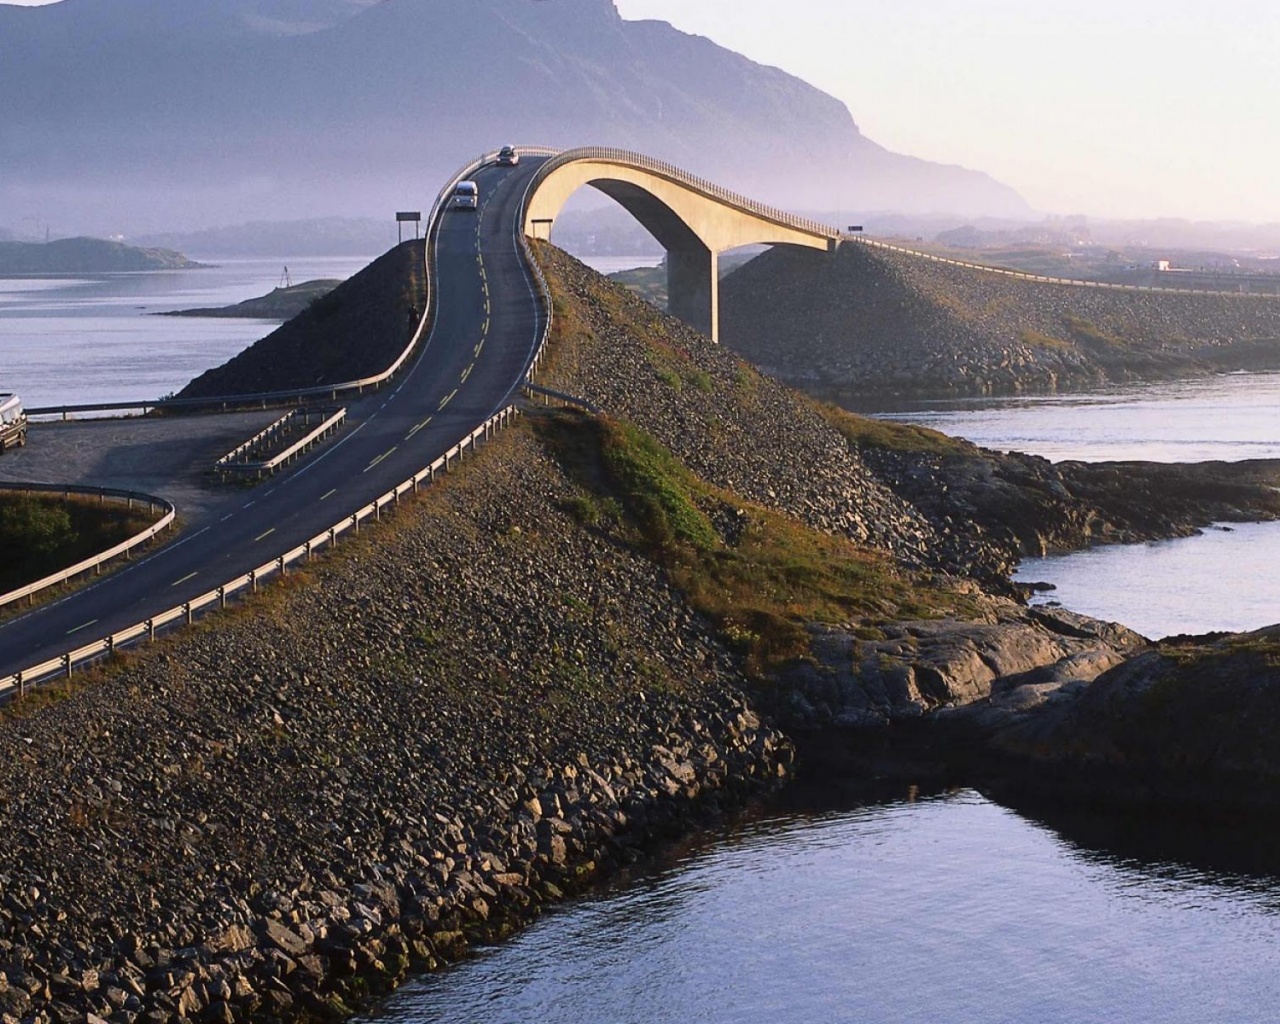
(693, 219)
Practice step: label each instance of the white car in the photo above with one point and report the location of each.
(466, 196)
(508, 157)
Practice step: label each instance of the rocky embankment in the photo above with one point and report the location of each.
(873, 322)
(412, 747)
(356, 330)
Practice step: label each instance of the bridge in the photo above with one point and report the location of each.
(695, 220)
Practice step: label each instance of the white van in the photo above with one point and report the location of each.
(13, 422)
(466, 196)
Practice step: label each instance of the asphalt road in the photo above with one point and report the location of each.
(471, 365)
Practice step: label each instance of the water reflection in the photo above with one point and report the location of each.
(946, 908)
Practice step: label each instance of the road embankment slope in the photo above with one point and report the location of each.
(873, 321)
(356, 330)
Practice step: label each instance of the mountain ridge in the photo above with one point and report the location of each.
(182, 116)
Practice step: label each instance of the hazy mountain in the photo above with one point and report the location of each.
(127, 115)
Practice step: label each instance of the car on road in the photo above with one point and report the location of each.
(508, 157)
(13, 422)
(466, 196)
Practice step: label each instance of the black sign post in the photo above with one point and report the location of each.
(405, 217)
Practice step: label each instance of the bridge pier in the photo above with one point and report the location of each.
(693, 288)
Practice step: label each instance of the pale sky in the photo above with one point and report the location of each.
(1113, 108)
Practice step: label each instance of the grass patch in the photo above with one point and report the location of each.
(1088, 332)
(764, 589)
(42, 534)
(1036, 339)
(865, 432)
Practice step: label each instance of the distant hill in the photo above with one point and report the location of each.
(85, 256)
(325, 236)
(140, 115)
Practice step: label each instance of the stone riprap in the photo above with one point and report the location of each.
(874, 322)
(462, 714)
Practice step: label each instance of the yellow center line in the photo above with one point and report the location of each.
(78, 628)
(447, 398)
(467, 372)
(384, 455)
(189, 576)
(264, 536)
(330, 494)
(420, 426)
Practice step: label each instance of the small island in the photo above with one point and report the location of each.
(278, 304)
(86, 256)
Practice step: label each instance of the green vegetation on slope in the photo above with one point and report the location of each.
(866, 432)
(760, 576)
(41, 535)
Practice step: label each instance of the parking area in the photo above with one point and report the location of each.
(168, 457)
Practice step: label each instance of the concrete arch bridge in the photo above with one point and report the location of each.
(694, 220)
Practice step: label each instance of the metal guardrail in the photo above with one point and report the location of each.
(1041, 279)
(228, 463)
(549, 395)
(94, 562)
(331, 391)
(186, 612)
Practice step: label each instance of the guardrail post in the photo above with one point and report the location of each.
(377, 510)
(222, 598)
(189, 612)
(151, 631)
(280, 564)
(333, 536)
(111, 644)
(66, 665)
(308, 551)
(22, 686)
(253, 580)
(355, 522)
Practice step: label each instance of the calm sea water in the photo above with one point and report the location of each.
(1233, 416)
(67, 340)
(947, 910)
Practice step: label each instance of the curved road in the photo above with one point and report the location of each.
(487, 325)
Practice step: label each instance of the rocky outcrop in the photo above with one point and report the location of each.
(1018, 658)
(1191, 722)
(990, 510)
(874, 322)
(448, 723)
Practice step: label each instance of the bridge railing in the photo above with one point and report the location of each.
(94, 562)
(64, 664)
(682, 177)
(1022, 275)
